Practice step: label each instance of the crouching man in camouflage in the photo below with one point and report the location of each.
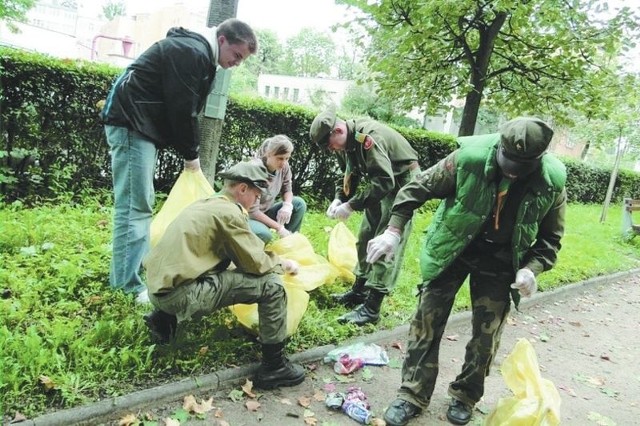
(188, 275)
(500, 224)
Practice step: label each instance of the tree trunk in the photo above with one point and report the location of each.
(585, 151)
(211, 128)
(479, 62)
(612, 179)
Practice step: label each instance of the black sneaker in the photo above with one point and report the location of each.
(400, 412)
(162, 326)
(459, 413)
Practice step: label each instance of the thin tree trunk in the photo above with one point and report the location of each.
(612, 179)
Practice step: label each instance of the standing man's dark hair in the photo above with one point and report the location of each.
(155, 104)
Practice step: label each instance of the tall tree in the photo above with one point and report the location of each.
(15, 11)
(265, 61)
(114, 8)
(309, 53)
(522, 56)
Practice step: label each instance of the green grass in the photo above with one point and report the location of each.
(67, 339)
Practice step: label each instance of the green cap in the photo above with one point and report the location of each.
(322, 126)
(523, 142)
(251, 172)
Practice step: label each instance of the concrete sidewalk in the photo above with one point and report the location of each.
(585, 336)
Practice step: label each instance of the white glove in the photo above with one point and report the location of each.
(342, 212)
(192, 165)
(284, 214)
(384, 244)
(283, 232)
(331, 211)
(290, 266)
(525, 282)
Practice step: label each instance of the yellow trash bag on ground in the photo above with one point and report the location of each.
(297, 301)
(190, 186)
(342, 252)
(535, 400)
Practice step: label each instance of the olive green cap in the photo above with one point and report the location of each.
(322, 126)
(523, 142)
(251, 172)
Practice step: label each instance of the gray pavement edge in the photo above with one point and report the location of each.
(110, 409)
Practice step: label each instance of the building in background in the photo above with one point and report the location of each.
(302, 90)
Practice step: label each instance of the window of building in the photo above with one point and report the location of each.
(267, 91)
(276, 92)
(296, 94)
(285, 93)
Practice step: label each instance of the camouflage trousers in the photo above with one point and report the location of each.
(489, 284)
(215, 290)
(382, 275)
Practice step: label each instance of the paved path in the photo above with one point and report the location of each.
(586, 337)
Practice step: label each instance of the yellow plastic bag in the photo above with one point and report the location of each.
(190, 186)
(310, 277)
(297, 301)
(535, 400)
(342, 252)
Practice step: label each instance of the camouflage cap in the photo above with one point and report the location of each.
(322, 126)
(523, 142)
(253, 173)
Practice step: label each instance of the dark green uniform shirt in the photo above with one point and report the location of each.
(378, 158)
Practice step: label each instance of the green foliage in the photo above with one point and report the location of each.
(308, 54)
(67, 339)
(523, 57)
(113, 9)
(587, 184)
(15, 10)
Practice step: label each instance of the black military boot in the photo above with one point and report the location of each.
(162, 326)
(367, 313)
(276, 370)
(459, 413)
(353, 297)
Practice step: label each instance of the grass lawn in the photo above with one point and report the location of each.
(67, 339)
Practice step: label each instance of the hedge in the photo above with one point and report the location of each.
(53, 143)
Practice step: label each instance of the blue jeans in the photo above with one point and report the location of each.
(264, 232)
(133, 162)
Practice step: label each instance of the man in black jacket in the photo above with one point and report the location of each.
(155, 104)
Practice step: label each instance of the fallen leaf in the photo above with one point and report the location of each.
(180, 415)
(575, 323)
(128, 420)
(600, 419)
(378, 422)
(286, 401)
(304, 401)
(319, 395)
(308, 413)
(311, 367)
(203, 351)
(19, 417)
(596, 381)
(367, 374)
(330, 387)
(568, 390)
(47, 383)
(171, 422)
(252, 405)
(236, 395)
(201, 408)
(452, 337)
(310, 421)
(395, 363)
(248, 389)
(397, 345)
(544, 337)
(188, 402)
(218, 413)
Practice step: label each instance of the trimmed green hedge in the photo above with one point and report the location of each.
(53, 143)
